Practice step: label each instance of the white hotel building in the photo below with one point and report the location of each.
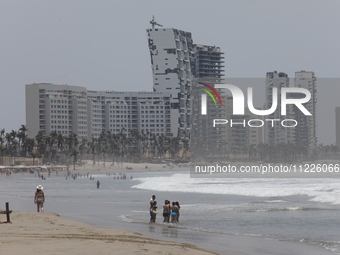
(73, 109)
(305, 131)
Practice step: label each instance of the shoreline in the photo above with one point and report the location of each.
(130, 168)
(31, 232)
(89, 168)
(231, 244)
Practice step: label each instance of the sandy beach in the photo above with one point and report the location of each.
(97, 231)
(31, 232)
(47, 233)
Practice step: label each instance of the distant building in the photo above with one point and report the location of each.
(241, 136)
(337, 126)
(75, 110)
(181, 71)
(274, 132)
(208, 69)
(60, 108)
(179, 66)
(172, 56)
(208, 64)
(305, 131)
(255, 134)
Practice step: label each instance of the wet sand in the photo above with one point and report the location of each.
(47, 233)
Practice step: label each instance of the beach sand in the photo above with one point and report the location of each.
(49, 234)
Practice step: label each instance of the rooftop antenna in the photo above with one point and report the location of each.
(154, 23)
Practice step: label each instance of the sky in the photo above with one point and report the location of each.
(102, 44)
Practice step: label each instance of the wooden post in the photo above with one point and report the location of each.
(7, 212)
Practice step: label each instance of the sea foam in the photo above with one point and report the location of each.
(320, 190)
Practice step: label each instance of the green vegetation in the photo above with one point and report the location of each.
(55, 148)
(134, 146)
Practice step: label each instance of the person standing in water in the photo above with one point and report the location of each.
(166, 211)
(179, 207)
(98, 184)
(152, 200)
(174, 212)
(39, 198)
(153, 211)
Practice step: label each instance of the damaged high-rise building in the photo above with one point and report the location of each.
(179, 66)
(172, 56)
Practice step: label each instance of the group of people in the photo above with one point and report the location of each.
(170, 212)
(118, 176)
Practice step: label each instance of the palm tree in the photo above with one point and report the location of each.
(153, 145)
(135, 141)
(174, 146)
(144, 142)
(41, 144)
(111, 145)
(2, 151)
(103, 144)
(72, 142)
(161, 145)
(123, 144)
(92, 147)
(34, 155)
(22, 136)
(11, 144)
(74, 154)
(82, 148)
(2, 133)
(2, 146)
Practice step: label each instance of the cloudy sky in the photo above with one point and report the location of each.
(102, 44)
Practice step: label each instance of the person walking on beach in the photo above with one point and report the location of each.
(39, 198)
(166, 211)
(98, 184)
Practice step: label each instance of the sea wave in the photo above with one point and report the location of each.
(320, 190)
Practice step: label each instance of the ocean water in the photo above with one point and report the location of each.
(297, 211)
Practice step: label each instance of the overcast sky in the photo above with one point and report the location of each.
(102, 44)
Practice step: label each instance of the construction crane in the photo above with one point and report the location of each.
(154, 23)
